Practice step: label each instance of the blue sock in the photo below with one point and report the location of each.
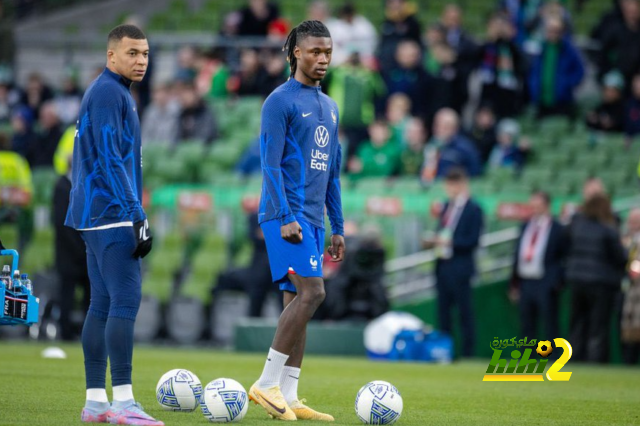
(95, 350)
(119, 338)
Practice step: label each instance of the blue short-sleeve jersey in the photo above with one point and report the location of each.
(300, 157)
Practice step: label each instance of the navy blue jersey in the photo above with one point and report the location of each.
(107, 164)
(300, 157)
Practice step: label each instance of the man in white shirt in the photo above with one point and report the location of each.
(537, 272)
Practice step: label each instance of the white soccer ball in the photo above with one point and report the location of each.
(179, 390)
(378, 403)
(224, 400)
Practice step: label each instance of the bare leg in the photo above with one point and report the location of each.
(295, 357)
(292, 325)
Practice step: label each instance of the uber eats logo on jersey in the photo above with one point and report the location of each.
(319, 158)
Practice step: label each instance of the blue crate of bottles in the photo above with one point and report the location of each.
(19, 306)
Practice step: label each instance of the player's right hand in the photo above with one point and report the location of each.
(144, 240)
(291, 232)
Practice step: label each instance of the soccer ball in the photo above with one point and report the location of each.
(179, 390)
(224, 400)
(378, 403)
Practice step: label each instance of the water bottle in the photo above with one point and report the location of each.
(17, 285)
(26, 282)
(6, 277)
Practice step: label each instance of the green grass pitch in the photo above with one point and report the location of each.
(37, 391)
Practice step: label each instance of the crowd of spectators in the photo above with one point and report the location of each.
(403, 88)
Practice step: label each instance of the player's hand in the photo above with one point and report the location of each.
(291, 232)
(144, 239)
(336, 249)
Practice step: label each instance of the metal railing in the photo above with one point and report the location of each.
(409, 278)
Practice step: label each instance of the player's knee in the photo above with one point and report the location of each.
(313, 296)
(125, 305)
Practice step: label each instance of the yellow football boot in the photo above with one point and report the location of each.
(273, 402)
(303, 412)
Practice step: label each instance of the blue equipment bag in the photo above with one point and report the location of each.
(19, 305)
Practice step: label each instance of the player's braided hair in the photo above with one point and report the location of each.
(302, 31)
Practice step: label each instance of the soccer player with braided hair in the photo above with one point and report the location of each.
(300, 158)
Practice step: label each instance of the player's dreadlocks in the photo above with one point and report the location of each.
(302, 31)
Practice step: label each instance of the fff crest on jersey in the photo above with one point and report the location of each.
(322, 136)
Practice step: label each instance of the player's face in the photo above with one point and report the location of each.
(314, 56)
(129, 58)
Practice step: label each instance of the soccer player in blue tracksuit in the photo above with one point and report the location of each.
(300, 157)
(105, 205)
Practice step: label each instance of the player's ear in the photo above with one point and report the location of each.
(111, 56)
(297, 52)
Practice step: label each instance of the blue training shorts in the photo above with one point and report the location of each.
(304, 259)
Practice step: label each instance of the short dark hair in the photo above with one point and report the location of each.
(544, 195)
(126, 30)
(456, 174)
(299, 33)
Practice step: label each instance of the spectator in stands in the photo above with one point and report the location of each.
(502, 68)
(619, 41)
(357, 292)
(22, 128)
(6, 103)
(398, 114)
(630, 323)
(448, 148)
(483, 131)
(160, 120)
(511, 150)
(251, 75)
(68, 101)
(377, 157)
(555, 73)
(187, 67)
(610, 21)
(596, 263)
(439, 61)
(457, 237)
(412, 156)
(538, 269)
(355, 88)
(352, 32)
(36, 93)
(41, 152)
(409, 77)
(400, 24)
(256, 17)
(632, 111)
(196, 120)
(70, 259)
(466, 51)
(522, 14)
(213, 76)
(275, 73)
(609, 115)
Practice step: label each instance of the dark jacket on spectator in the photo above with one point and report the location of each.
(197, 123)
(595, 255)
(632, 117)
(570, 71)
(459, 152)
(41, 152)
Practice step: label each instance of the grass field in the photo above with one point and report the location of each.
(38, 391)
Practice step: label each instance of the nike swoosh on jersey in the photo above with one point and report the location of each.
(307, 114)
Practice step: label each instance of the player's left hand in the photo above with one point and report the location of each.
(336, 249)
(144, 240)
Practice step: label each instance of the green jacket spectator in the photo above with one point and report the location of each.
(377, 157)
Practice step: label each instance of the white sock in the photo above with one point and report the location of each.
(98, 395)
(289, 383)
(123, 393)
(272, 369)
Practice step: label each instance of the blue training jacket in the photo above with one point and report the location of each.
(300, 157)
(107, 164)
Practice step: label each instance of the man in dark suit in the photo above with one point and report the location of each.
(537, 269)
(459, 228)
